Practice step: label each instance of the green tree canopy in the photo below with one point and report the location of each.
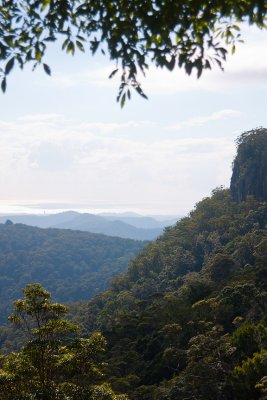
(54, 364)
(190, 34)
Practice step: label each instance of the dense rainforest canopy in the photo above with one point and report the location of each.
(188, 320)
(54, 364)
(74, 265)
(192, 35)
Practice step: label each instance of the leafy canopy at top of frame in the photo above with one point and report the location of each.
(193, 34)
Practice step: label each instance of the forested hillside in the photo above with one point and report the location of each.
(188, 320)
(73, 265)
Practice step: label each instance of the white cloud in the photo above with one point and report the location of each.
(70, 162)
(63, 81)
(204, 119)
(52, 117)
(97, 76)
(109, 127)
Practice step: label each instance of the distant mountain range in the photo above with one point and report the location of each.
(125, 225)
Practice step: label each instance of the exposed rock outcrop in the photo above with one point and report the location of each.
(250, 166)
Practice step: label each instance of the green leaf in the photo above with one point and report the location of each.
(80, 46)
(123, 98)
(3, 85)
(47, 69)
(9, 65)
(113, 73)
(171, 64)
(94, 45)
(45, 4)
(50, 39)
(34, 66)
(199, 72)
(236, 27)
(141, 93)
(207, 64)
(38, 55)
(71, 48)
(66, 41)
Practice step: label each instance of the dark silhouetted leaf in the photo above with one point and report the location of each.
(3, 85)
(123, 98)
(9, 65)
(47, 69)
(113, 73)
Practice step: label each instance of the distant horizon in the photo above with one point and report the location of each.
(48, 208)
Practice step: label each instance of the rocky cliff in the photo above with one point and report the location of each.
(250, 166)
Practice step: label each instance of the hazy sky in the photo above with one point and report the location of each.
(65, 139)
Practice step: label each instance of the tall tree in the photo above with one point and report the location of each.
(54, 364)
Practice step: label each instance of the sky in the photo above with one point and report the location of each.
(66, 144)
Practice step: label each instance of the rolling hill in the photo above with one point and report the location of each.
(74, 265)
(130, 228)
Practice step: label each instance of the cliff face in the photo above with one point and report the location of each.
(250, 166)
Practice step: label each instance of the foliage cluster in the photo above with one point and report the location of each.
(54, 364)
(188, 34)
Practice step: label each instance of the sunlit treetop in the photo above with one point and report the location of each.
(190, 34)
